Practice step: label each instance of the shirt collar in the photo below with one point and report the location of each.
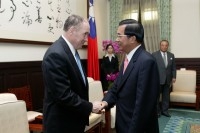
(163, 53)
(107, 55)
(70, 45)
(130, 54)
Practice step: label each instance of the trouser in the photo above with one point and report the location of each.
(163, 105)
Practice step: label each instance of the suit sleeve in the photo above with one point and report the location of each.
(103, 65)
(173, 67)
(111, 95)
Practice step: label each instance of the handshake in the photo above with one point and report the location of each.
(98, 106)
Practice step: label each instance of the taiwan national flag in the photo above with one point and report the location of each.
(93, 60)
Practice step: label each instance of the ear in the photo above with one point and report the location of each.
(71, 29)
(132, 39)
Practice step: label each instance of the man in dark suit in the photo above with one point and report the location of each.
(135, 91)
(66, 106)
(167, 73)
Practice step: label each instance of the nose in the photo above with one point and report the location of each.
(86, 38)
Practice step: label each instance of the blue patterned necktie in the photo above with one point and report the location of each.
(79, 65)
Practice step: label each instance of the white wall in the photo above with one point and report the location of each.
(185, 35)
(102, 23)
(185, 39)
(11, 52)
(21, 52)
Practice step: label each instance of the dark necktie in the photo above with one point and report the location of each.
(79, 65)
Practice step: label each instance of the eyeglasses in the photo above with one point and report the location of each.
(120, 36)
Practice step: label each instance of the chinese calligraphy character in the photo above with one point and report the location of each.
(27, 2)
(13, 9)
(49, 3)
(38, 1)
(50, 18)
(59, 22)
(39, 18)
(1, 11)
(50, 29)
(26, 19)
(68, 10)
(59, 8)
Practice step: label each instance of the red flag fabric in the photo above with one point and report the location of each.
(93, 60)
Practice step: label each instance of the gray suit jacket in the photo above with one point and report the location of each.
(165, 74)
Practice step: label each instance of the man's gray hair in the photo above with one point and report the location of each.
(73, 20)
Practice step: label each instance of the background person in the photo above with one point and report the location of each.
(167, 73)
(135, 90)
(109, 65)
(66, 107)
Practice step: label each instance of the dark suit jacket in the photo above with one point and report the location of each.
(135, 95)
(166, 74)
(108, 67)
(66, 106)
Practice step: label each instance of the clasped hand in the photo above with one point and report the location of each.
(98, 106)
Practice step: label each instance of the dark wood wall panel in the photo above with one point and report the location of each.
(16, 79)
(1, 82)
(36, 82)
(17, 74)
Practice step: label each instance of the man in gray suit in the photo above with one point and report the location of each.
(167, 72)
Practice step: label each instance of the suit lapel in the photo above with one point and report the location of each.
(129, 68)
(161, 58)
(168, 58)
(73, 61)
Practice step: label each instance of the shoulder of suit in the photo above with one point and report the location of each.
(170, 53)
(104, 56)
(156, 52)
(114, 55)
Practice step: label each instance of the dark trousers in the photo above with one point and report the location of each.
(163, 105)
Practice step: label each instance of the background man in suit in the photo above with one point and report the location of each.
(66, 106)
(167, 73)
(135, 90)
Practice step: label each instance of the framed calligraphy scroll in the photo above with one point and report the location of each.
(36, 21)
